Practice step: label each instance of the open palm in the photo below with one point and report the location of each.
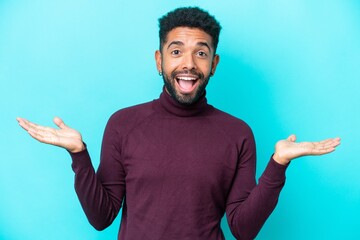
(64, 137)
(288, 149)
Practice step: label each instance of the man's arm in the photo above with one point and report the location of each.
(248, 204)
(100, 194)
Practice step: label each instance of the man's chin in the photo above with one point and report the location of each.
(186, 99)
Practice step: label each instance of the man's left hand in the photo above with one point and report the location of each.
(288, 149)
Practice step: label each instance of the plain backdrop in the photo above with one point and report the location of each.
(286, 67)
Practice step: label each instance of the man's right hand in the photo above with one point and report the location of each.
(64, 137)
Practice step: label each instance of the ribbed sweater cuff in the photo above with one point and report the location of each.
(274, 174)
(80, 160)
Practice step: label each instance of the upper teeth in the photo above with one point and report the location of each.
(186, 78)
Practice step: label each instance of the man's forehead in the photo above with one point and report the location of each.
(187, 34)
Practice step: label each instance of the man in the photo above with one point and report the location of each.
(177, 164)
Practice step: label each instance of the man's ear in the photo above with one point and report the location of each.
(214, 64)
(158, 60)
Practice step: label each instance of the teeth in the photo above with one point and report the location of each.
(186, 78)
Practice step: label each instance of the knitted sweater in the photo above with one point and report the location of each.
(176, 170)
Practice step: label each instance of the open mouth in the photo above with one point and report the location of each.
(187, 83)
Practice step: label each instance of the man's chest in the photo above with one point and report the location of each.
(169, 150)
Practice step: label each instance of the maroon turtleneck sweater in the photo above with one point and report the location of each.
(176, 170)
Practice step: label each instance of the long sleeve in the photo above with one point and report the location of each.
(100, 193)
(183, 167)
(249, 205)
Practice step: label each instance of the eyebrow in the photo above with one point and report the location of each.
(180, 43)
(205, 44)
(175, 43)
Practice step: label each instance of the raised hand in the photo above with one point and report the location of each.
(286, 150)
(64, 137)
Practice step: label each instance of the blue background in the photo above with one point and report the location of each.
(286, 67)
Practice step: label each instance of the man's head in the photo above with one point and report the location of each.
(191, 17)
(187, 59)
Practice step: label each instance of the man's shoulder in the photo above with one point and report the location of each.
(139, 109)
(132, 115)
(230, 123)
(221, 116)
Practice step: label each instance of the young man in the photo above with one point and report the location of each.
(177, 164)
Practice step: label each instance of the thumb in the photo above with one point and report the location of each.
(60, 123)
(292, 138)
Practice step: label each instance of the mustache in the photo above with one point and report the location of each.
(192, 72)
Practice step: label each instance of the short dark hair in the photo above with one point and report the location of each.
(192, 17)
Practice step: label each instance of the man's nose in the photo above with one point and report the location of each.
(188, 62)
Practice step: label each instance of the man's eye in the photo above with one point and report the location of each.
(175, 52)
(202, 54)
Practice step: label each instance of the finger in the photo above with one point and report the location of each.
(59, 122)
(316, 151)
(292, 138)
(22, 123)
(42, 136)
(336, 141)
(328, 143)
(333, 143)
(27, 125)
(19, 119)
(322, 149)
(39, 129)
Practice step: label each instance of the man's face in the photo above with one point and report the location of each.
(187, 61)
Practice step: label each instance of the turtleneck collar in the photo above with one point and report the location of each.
(170, 105)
